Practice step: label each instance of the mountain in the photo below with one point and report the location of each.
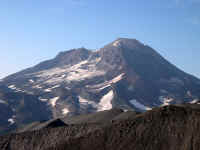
(173, 127)
(124, 74)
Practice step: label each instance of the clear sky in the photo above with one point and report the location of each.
(35, 30)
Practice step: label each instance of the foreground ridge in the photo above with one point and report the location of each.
(167, 128)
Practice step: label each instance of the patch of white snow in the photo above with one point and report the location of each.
(11, 121)
(47, 90)
(105, 102)
(56, 86)
(194, 101)
(165, 101)
(31, 81)
(65, 111)
(116, 43)
(53, 101)
(37, 87)
(101, 86)
(2, 101)
(12, 87)
(63, 76)
(117, 79)
(43, 99)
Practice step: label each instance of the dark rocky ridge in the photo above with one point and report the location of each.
(102, 117)
(166, 128)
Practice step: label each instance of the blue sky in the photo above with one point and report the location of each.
(35, 30)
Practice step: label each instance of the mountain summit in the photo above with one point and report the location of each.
(125, 74)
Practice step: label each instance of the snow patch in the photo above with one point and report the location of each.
(194, 101)
(47, 90)
(117, 79)
(43, 99)
(37, 87)
(53, 101)
(2, 101)
(50, 89)
(31, 81)
(56, 86)
(82, 100)
(12, 87)
(116, 43)
(11, 121)
(62, 76)
(81, 74)
(165, 101)
(101, 86)
(105, 102)
(139, 105)
(65, 111)
(67, 88)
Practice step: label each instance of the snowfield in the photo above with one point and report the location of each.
(81, 71)
(105, 102)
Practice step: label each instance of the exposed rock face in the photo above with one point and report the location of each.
(166, 128)
(125, 74)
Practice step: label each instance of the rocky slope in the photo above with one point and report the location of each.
(124, 74)
(166, 128)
